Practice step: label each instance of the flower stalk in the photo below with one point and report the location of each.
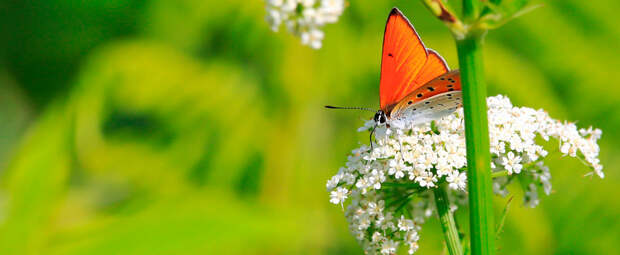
(448, 224)
(482, 228)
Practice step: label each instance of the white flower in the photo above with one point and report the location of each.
(457, 180)
(413, 247)
(427, 179)
(307, 3)
(443, 169)
(412, 236)
(389, 247)
(313, 38)
(274, 18)
(333, 182)
(426, 157)
(376, 178)
(511, 163)
(304, 18)
(362, 183)
(544, 177)
(359, 235)
(339, 195)
(386, 221)
(375, 208)
(531, 196)
(405, 224)
(364, 222)
(398, 168)
(377, 237)
(499, 189)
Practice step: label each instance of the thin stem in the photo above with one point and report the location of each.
(502, 220)
(500, 174)
(448, 224)
(482, 228)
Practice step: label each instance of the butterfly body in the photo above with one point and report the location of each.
(416, 84)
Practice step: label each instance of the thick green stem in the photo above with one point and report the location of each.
(482, 229)
(448, 224)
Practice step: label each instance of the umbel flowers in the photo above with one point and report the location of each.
(304, 18)
(388, 190)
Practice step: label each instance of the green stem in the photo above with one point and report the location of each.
(448, 224)
(482, 228)
(499, 174)
(471, 10)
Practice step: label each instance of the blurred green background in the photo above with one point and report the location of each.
(188, 127)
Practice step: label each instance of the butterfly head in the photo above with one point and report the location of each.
(380, 117)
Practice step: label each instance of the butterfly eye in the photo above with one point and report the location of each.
(382, 119)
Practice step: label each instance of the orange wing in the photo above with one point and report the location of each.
(406, 64)
(433, 68)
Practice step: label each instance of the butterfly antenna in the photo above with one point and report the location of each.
(349, 108)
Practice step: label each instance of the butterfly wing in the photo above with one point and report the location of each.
(429, 109)
(435, 99)
(406, 64)
(434, 67)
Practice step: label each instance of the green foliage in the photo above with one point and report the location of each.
(185, 127)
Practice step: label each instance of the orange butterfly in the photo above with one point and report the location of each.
(416, 84)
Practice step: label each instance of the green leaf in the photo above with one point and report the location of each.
(35, 183)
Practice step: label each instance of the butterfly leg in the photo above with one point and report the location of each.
(370, 138)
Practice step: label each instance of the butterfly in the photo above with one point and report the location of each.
(416, 85)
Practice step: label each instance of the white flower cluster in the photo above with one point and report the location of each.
(390, 186)
(304, 18)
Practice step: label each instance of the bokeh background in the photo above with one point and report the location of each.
(188, 127)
